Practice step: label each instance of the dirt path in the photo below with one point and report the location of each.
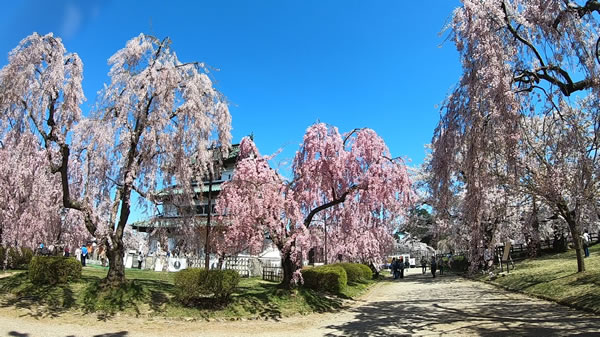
(415, 306)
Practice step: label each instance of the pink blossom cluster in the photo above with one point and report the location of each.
(346, 190)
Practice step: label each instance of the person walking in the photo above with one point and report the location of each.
(140, 259)
(401, 265)
(424, 264)
(586, 243)
(441, 265)
(84, 254)
(394, 268)
(433, 266)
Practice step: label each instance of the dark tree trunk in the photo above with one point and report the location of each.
(571, 217)
(116, 250)
(289, 268)
(534, 245)
(116, 267)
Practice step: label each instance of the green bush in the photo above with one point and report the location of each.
(221, 283)
(26, 255)
(356, 272)
(458, 263)
(188, 285)
(195, 283)
(13, 260)
(2, 257)
(18, 258)
(332, 278)
(367, 272)
(51, 270)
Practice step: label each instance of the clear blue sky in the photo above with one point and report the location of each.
(283, 65)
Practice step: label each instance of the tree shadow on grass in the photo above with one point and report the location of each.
(257, 300)
(107, 301)
(321, 302)
(86, 294)
(41, 300)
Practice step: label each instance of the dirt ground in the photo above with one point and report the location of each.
(417, 305)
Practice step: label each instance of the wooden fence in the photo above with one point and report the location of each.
(239, 264)
(519, 251)
(272, 273)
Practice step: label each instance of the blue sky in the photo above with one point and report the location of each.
(283, 65)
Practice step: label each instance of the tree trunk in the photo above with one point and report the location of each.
(116, 250)
(570, 217)
(534, 245)
(116, 267)
(289, 268)
(207, 242)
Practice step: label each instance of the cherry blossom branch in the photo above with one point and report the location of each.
(527, 76)
(332, 203)
(589, 7)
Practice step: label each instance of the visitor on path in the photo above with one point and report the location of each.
(66, 252)
(78, 254)
(140, 258)
(441, 265)
(424, 264)
(401, 266)
(433, 266)
(394, 268)
(84, 254)
(586, 243)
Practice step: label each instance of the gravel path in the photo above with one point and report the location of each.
(415, 306)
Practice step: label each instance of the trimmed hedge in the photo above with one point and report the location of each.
(331, 278)
(458, 264)
(18, 258)
(51, 270)
(357, 272)
(194, 284)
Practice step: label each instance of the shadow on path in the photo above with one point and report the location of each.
(449, 305)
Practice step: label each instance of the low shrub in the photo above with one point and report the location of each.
(194, 284)
(458, 263)
(13, 258)
(367, 272)
(18, 258)
(53, 270)
(331, 278)
(356, 272)
(26, 256)
(221, 283)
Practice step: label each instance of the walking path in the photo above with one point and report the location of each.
(418, 305)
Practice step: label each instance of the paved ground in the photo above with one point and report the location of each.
(415, 306)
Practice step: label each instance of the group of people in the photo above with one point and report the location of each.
(397, 267)
(398, 264)
(51, 250)
(434, 265)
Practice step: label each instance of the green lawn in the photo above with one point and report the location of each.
(555, 277)
(150, 294)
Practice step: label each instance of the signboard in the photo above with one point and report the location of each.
(506, 251)
(177, 264)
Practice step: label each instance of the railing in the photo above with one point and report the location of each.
(271, 273)
(239, 264)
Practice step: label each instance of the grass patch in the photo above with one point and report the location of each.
(555, 277)
(149, 294)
